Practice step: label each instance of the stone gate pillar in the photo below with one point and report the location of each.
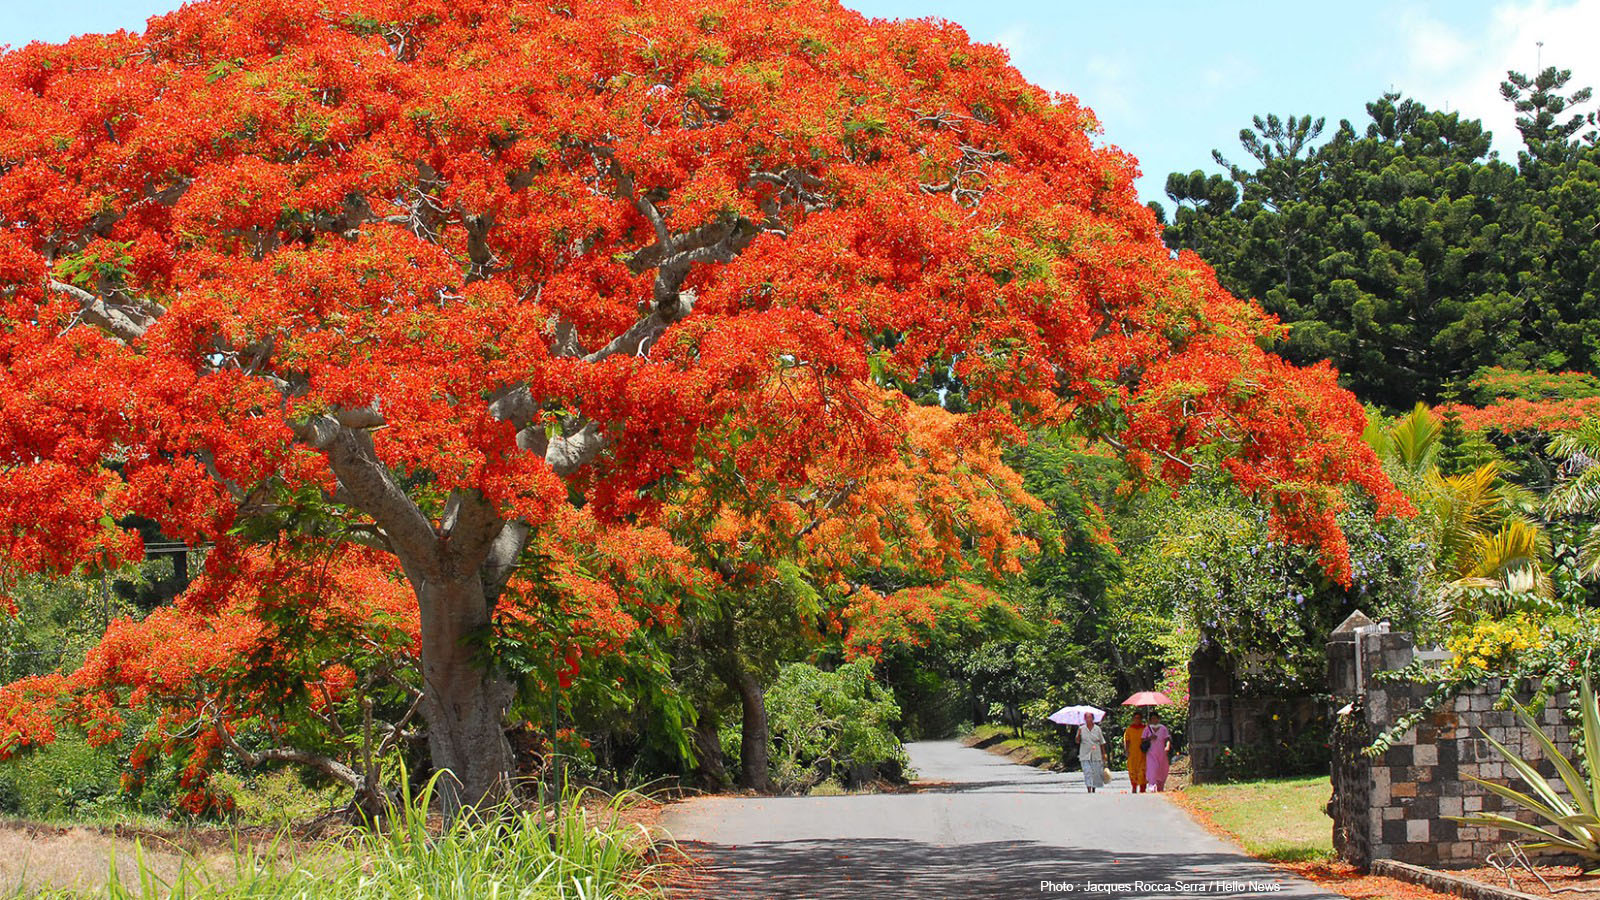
(1210, 726)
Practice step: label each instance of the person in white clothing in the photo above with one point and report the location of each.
(1092, 753)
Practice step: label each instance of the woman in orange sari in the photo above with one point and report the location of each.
(1131, 736)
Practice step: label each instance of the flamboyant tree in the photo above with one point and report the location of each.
(787, 564)
(449, 266)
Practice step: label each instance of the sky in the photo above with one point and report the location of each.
(1171, 80)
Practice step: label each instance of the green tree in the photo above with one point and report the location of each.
(1577, 496)
(1402, 250)
(826, 722)
(1540, 106)
(1208, 563)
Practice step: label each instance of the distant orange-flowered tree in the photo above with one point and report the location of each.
(453, 266)
(789, 565)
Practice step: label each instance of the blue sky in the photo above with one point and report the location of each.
(1171, 80)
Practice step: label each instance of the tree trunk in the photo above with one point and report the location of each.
(447, 563)
(755, 739)
(708, 750)
(463, 703)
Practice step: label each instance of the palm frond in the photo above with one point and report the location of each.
(1513, 557)
(1576, 494)
(1580, 444)
(1516, 500)
(1414, 440)
(1465, 507)
(1578, 448)
(1589, 554)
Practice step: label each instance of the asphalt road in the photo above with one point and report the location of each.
(980, 827)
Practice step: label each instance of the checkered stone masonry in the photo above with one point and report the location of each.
(1393, 806)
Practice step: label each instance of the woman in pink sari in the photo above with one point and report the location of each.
(1155, 756)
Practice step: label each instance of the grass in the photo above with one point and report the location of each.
(1038, 744)
(1281, 820)
(585, 854)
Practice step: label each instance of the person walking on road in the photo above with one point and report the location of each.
(1132, 742)
(1155, 753)
(1092, 753)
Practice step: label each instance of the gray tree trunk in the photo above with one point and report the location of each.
(755, 738)
(712, 768)
(463, 703)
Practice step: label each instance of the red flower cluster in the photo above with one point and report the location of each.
(271, 209)
(1511, 415)
(911, 616)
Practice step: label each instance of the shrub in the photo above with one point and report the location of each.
(278, 798)
(826, 723)
(68, 779)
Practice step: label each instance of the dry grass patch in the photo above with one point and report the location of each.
(36, 858)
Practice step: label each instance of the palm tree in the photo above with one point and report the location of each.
(1413, 441)
(1578, 492)
(1488, 547)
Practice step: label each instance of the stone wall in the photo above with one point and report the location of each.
(1210, 725)
(1391, 806)
(1221, 717)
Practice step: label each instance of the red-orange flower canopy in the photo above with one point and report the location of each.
(526, 249)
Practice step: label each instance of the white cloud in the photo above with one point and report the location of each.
(1445, 69)
(1431, 44)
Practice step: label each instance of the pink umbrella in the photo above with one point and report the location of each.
(1148, 698)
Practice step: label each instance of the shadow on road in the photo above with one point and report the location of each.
(1055, 786)
(852, 869)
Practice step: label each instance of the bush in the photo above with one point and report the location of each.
(67, 779)
(279, 798)
(828, 724)
(70, 780)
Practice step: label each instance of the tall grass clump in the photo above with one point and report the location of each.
(510, 853)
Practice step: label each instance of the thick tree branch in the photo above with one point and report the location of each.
(367, 482)
(564, 454)
(327, 765)
(636, 341)
(569, 453)
(364, 417)
(125, 321)
(504, 554)
(467, 530)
